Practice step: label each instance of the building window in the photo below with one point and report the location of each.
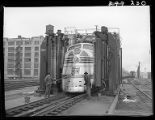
(36, 65)
(27, 54)
(21, 54)
(27, 59)
(10, 71)
(11, 43)
(19, 48)
(35, 72)
(11, 54)
(36, 42)
(11, 65)
(27, 71)
(27, 42)
(36, 59)
(11, 49)
(27, 65)
(27, 48)
(36, 54)
(19, 42)
(11, 60)
(36, 48)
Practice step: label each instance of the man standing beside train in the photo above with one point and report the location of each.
(48, 83)
(88, 84)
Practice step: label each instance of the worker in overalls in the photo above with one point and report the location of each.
(54, 86)
(48, 82)
(88, 84)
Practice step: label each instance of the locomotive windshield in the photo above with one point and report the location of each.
(75, 46)
(88, 46)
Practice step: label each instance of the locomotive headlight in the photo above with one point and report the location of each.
(77, 51)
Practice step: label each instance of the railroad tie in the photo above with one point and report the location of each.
(25, 108)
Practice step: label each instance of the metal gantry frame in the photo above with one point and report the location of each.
(53, 47)
(113, 64)
(52, 50)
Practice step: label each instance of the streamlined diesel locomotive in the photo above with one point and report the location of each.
(79, 59)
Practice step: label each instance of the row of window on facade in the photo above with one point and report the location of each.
(26, 72)
(12, 49)
(26, 65)
(36, 54)
(21, 42)
(13, 59)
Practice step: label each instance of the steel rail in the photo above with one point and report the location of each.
(141, 91)
(56, 109)
(35, 110)
(19, 109)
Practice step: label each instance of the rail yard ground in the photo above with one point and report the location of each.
(15, 98)
(92, 107)
(138, 107)
(135, 106)
(96, 105)
(19, 83)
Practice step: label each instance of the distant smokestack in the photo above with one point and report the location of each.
(138, 71)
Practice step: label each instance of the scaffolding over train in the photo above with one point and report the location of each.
(106, 57)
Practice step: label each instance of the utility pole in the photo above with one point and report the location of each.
(138, 71)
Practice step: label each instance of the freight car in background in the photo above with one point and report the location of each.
(133, 74)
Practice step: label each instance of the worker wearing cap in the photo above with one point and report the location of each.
(88, 84)
(48, 85)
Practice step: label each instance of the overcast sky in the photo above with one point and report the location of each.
(133, 22)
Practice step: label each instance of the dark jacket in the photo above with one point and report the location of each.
(48, 80)
(87, 80)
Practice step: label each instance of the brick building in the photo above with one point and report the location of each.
(22, 57)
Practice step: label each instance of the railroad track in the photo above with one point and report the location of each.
(23, 109)
(56, 109)
(146, 98)
(46, 107)
(147, 85)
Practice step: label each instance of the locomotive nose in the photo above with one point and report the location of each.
(76, 59)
